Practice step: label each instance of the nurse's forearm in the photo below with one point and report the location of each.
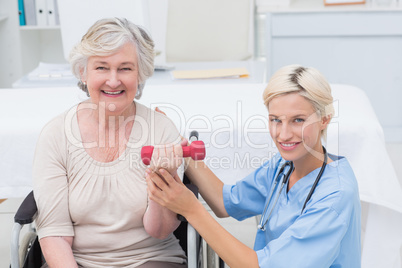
(209, 186)
(232, 251)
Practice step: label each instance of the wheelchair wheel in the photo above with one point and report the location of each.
(25, 245)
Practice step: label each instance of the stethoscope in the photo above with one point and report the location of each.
(285, 179)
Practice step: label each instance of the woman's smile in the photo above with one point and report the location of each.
(112, 94)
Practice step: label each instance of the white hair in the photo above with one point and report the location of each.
(106, 37)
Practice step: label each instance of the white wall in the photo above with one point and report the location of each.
(10, 63)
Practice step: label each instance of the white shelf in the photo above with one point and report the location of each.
(3, 17)
(318, 6)
(29, 28)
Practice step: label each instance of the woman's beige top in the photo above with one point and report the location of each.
(101, 204)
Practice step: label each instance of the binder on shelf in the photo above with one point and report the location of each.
(51, 12)
(30, 12)
(21, 12)
(41, 12)
(56, 12)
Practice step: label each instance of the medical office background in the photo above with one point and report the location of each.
(358, 45)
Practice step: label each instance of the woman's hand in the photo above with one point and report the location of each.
(170, 192)
(168, 157)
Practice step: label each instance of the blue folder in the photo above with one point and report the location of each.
(21, 12)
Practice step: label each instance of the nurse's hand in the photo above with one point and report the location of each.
(159, 111)
(170, 192)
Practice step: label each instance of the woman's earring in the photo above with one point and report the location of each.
(85, 87)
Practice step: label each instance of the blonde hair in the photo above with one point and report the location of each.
(107, 36)
(305, 81)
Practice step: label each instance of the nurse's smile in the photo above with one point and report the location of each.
(289, 146)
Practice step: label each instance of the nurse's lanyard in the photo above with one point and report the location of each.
(285, 179)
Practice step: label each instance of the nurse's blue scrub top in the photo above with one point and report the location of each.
(326, 234)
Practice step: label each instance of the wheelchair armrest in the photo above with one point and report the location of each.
(193, 188)
(27, 210)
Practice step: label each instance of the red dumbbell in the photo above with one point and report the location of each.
(196, 151)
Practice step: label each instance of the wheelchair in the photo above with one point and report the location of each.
(28, 254)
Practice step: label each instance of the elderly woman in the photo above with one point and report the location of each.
(308, 199)
(89, 184)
